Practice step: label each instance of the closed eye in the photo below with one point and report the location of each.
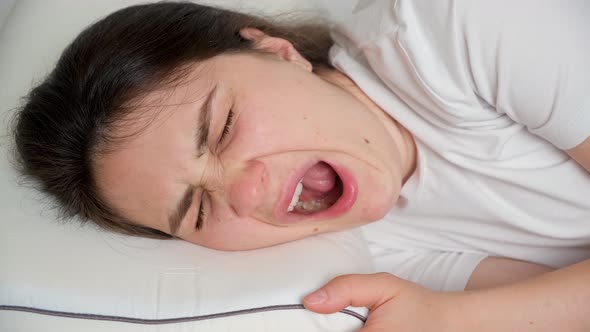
(226, 127)
(200, 215)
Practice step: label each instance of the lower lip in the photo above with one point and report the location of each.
(340, 207)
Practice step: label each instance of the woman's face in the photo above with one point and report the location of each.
(235, 141)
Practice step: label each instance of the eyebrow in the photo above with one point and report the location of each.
(203, 124)
(181, 209)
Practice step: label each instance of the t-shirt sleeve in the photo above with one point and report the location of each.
(436, 270)
(530, 60)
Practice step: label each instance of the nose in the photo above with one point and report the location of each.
(247, 188)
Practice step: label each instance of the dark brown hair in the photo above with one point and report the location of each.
(125, 55)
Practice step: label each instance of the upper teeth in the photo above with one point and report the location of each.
(296, 195)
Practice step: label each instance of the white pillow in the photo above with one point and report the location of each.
(56, 277)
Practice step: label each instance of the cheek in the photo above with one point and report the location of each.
(254, 136)
(217, 237)
(244, 234)
(229, 233)
(231, 242)
(279, 130)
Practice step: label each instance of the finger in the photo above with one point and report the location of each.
(357, 290)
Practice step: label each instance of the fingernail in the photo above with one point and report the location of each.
(316, 297)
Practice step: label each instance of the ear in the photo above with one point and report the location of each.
(278, 46)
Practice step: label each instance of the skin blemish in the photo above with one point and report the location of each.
(315, 230)
(304, 118)
(366, 140)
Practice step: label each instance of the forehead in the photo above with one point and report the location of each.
(142, 176)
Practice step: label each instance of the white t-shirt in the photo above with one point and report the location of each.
(478, 83)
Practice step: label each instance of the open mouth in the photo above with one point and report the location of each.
(323, 191)
(317, 191)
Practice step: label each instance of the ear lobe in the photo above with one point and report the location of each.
(278, 46)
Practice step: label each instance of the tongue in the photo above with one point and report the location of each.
(319, 179)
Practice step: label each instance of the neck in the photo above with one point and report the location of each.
(401, 136)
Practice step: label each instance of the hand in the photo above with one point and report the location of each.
(394, 304)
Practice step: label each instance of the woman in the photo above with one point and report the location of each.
(445, 119)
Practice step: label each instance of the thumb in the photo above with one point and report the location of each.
(357, 290)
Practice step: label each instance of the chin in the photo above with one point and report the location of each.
(376, 207)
